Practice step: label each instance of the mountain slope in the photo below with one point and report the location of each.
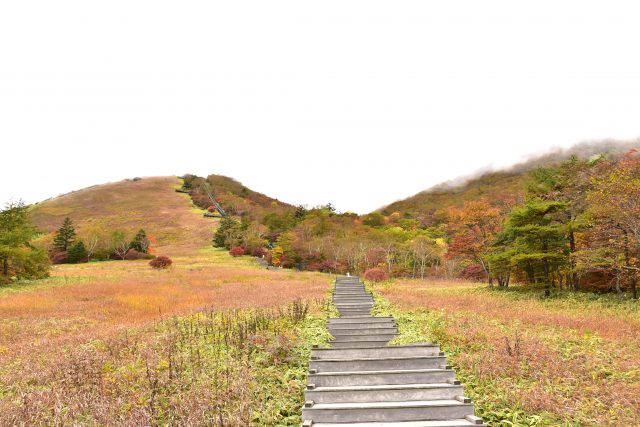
(508, 185)
(148, 203)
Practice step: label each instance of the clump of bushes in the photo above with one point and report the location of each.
(59, 257)
(133, 255)
(161, 262)
(259, 252)
(375, 275)
(237, 251)
(473, 272)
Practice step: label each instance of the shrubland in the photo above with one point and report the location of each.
(571, 359)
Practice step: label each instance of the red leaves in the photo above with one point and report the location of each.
(375, 275)
(161, 262)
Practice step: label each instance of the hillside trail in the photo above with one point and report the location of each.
(361, 381)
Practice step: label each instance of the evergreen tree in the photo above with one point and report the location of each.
(65, 236)
(140, 242)
(17, 256)
(534, 240)
(227, 228)
(569, 184)
(77, 253)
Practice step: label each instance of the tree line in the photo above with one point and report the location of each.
(98, 244)
(576, 225)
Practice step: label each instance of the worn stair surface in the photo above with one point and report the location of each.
(362, 382)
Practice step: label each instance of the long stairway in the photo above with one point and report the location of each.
(362, 382)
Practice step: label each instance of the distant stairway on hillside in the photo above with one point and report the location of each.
(362, 382)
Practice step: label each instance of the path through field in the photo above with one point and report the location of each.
(361, 381)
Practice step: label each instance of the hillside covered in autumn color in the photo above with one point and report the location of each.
(565, 219)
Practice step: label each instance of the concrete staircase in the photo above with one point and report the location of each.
(362, 382)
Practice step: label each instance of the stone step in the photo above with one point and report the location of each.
(368, 331)
(364, 337)
(362, 325)
(355, 316)
(353, 313)
(409, 376)
(358, 344)
(363, 319)
(418, 410)
(350, 304)
(466, 422)
(390, 351)
(352, 294)
(371, 364)
(352, 310)
(353, 304)
(383, 393)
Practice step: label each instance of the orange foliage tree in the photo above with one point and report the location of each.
(474, 227)
(615, 204)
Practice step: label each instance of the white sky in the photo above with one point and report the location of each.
(358, 103)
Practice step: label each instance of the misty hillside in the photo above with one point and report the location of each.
(508, 185)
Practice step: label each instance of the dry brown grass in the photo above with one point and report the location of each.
(572, 360)
(608, 322)
(90, 299)
(150, 203)
(50, 330)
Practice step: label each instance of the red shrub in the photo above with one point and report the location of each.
(59, 257)
(328, 266)
(375, 275)
(132, 254)
(211, 209)
(237, 251)
(473, 272)
(161, 262)
(259, 252)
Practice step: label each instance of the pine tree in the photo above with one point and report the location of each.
(140, 242)
(77, 253)
(225, 230)
(534, 240)
(17, 255)
(65, 236)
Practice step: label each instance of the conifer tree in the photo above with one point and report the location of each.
(225, 230)
(140, 242)
(65, 236)
(77, 253)
(17, 255)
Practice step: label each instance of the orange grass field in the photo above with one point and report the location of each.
(47, 327)
(83, 301)
(571, 360)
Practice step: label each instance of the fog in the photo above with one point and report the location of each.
(355, 103)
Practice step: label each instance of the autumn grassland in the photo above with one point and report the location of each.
(117, 342)
(570, 360)
(149, 203)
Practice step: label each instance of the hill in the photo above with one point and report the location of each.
(233, 196)
(148, 203)
(508, 185)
